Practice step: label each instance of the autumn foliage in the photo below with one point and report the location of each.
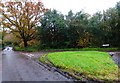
(21, 18)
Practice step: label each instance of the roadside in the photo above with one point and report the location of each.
(116, 57)
(18, 68)
(35, 55)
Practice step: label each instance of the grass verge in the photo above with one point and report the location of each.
(28, 49)
(83, 49)
(92, 65)
(36, 48)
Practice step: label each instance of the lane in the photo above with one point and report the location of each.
(16, 67)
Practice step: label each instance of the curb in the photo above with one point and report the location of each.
(50, 68)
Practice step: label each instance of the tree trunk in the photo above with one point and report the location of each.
(25, 43)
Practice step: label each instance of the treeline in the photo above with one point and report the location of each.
(80, 29)
(31, 24)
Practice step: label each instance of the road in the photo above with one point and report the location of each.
(15, 67)
(116, 58)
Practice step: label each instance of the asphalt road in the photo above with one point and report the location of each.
(116, 58)
(15, 67)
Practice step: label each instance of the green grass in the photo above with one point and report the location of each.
(83, 49)
(43, 59)
(36, 48)
(0, 46)
(28, 49)
(85, 64)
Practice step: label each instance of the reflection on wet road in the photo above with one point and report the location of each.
(15, 67)
(18, 68)
(116, 58)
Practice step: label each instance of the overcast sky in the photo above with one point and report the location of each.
(89, 6)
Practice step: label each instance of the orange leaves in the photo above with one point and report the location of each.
(84, 40)
(23, 16)
(23, 11)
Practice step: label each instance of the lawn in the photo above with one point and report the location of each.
(83, 49)
(36, 48)
(0, 47)
(92, 65)
(29, 49)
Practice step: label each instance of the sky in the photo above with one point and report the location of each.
(89, 6)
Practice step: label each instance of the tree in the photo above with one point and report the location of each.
(105, 27)
(52, 31)
(21, 18)
(111, 23)
(95, 29)
(9, 38)
(118, 24)
(77, 26)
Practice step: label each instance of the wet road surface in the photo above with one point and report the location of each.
(15, 67)
(116, 58)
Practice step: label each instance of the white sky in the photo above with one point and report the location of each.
(89, 6)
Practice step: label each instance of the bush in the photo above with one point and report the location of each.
(28, 49)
